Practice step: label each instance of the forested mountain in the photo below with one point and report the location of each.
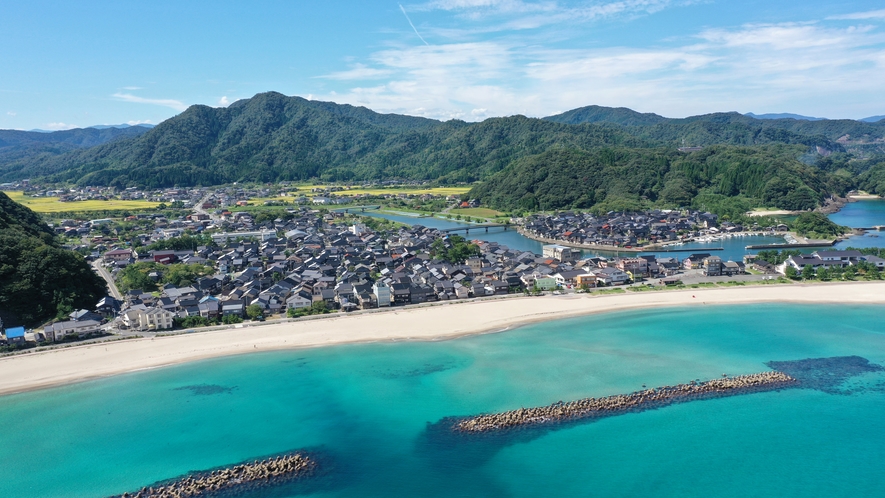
(620, 178)
(731, 128)
(271, 137)
(17, 145)
(38, 279)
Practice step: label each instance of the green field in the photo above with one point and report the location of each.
(53, 205)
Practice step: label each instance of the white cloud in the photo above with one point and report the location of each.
(60, 126)
(497, 5)
(139, 122)
(871, 14)
(132, 88)
(10, 113)
(358, 72)
(223, 101)
(173, 104)
(812, 68)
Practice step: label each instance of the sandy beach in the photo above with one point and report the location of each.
(443, 321)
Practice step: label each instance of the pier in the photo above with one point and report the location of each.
(791, 246)
(625, 403)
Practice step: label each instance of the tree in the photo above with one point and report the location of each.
(791, 273)
(253, 311)
(231, 319)
(808, 272)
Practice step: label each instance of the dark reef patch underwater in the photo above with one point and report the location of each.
(206, 389)
(829, 375)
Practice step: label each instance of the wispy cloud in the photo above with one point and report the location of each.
(751, 67)
(870, 14)
(173, 104)
(10, 113)
(412, 25)
(139, 122)
(60, 126)
(132, 88)
(358, 72)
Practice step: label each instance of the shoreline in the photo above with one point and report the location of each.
(52, 368)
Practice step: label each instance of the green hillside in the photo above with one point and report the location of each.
(620, 178)
(271, 137)
(38, 279)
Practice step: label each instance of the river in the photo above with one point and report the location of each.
(864, 213)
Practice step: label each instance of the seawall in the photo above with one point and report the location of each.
(622, 403)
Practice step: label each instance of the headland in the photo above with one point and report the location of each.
(435, 322)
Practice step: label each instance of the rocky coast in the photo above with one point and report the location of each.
(623, 403)
(232, 481)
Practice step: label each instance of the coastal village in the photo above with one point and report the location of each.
(319, 260)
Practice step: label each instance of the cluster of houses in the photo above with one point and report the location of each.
(622, 229)
(829, 260)
(317, 257)
(629, 230)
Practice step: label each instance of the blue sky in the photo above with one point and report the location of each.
(67, 64)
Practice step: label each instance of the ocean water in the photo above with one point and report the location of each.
(365, 410)
(861, 214)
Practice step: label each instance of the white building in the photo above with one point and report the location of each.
(57, 331)
(143, 318)
(562, 253)
(382, 293)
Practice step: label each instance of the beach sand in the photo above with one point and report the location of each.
(446, 320)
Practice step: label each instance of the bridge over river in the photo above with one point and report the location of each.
(484, 226)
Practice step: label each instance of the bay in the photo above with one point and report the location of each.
(364, 409)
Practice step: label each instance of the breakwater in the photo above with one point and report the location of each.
(232, 481)
(623, 403)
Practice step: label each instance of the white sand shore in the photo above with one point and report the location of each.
(56, 367)
(773, 212)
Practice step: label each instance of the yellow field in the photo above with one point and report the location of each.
(52, 204)
(305, 190)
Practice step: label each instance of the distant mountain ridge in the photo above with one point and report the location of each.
(272, 137)
(18, 145)
(783, 115)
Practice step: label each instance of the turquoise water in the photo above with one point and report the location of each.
(365, 408)
(861, 214)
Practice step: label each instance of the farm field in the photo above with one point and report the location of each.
(52, 204)
(305, 190)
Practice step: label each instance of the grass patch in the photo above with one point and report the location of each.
(616, 290)
(481, 212)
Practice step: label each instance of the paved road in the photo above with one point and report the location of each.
(198, 207)
(112, 286)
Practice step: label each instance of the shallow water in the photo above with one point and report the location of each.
(364, 409)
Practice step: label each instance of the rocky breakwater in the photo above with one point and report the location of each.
(232, 481)
(623, 403)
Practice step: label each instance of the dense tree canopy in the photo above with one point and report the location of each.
(38, 279)
(715, 179)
